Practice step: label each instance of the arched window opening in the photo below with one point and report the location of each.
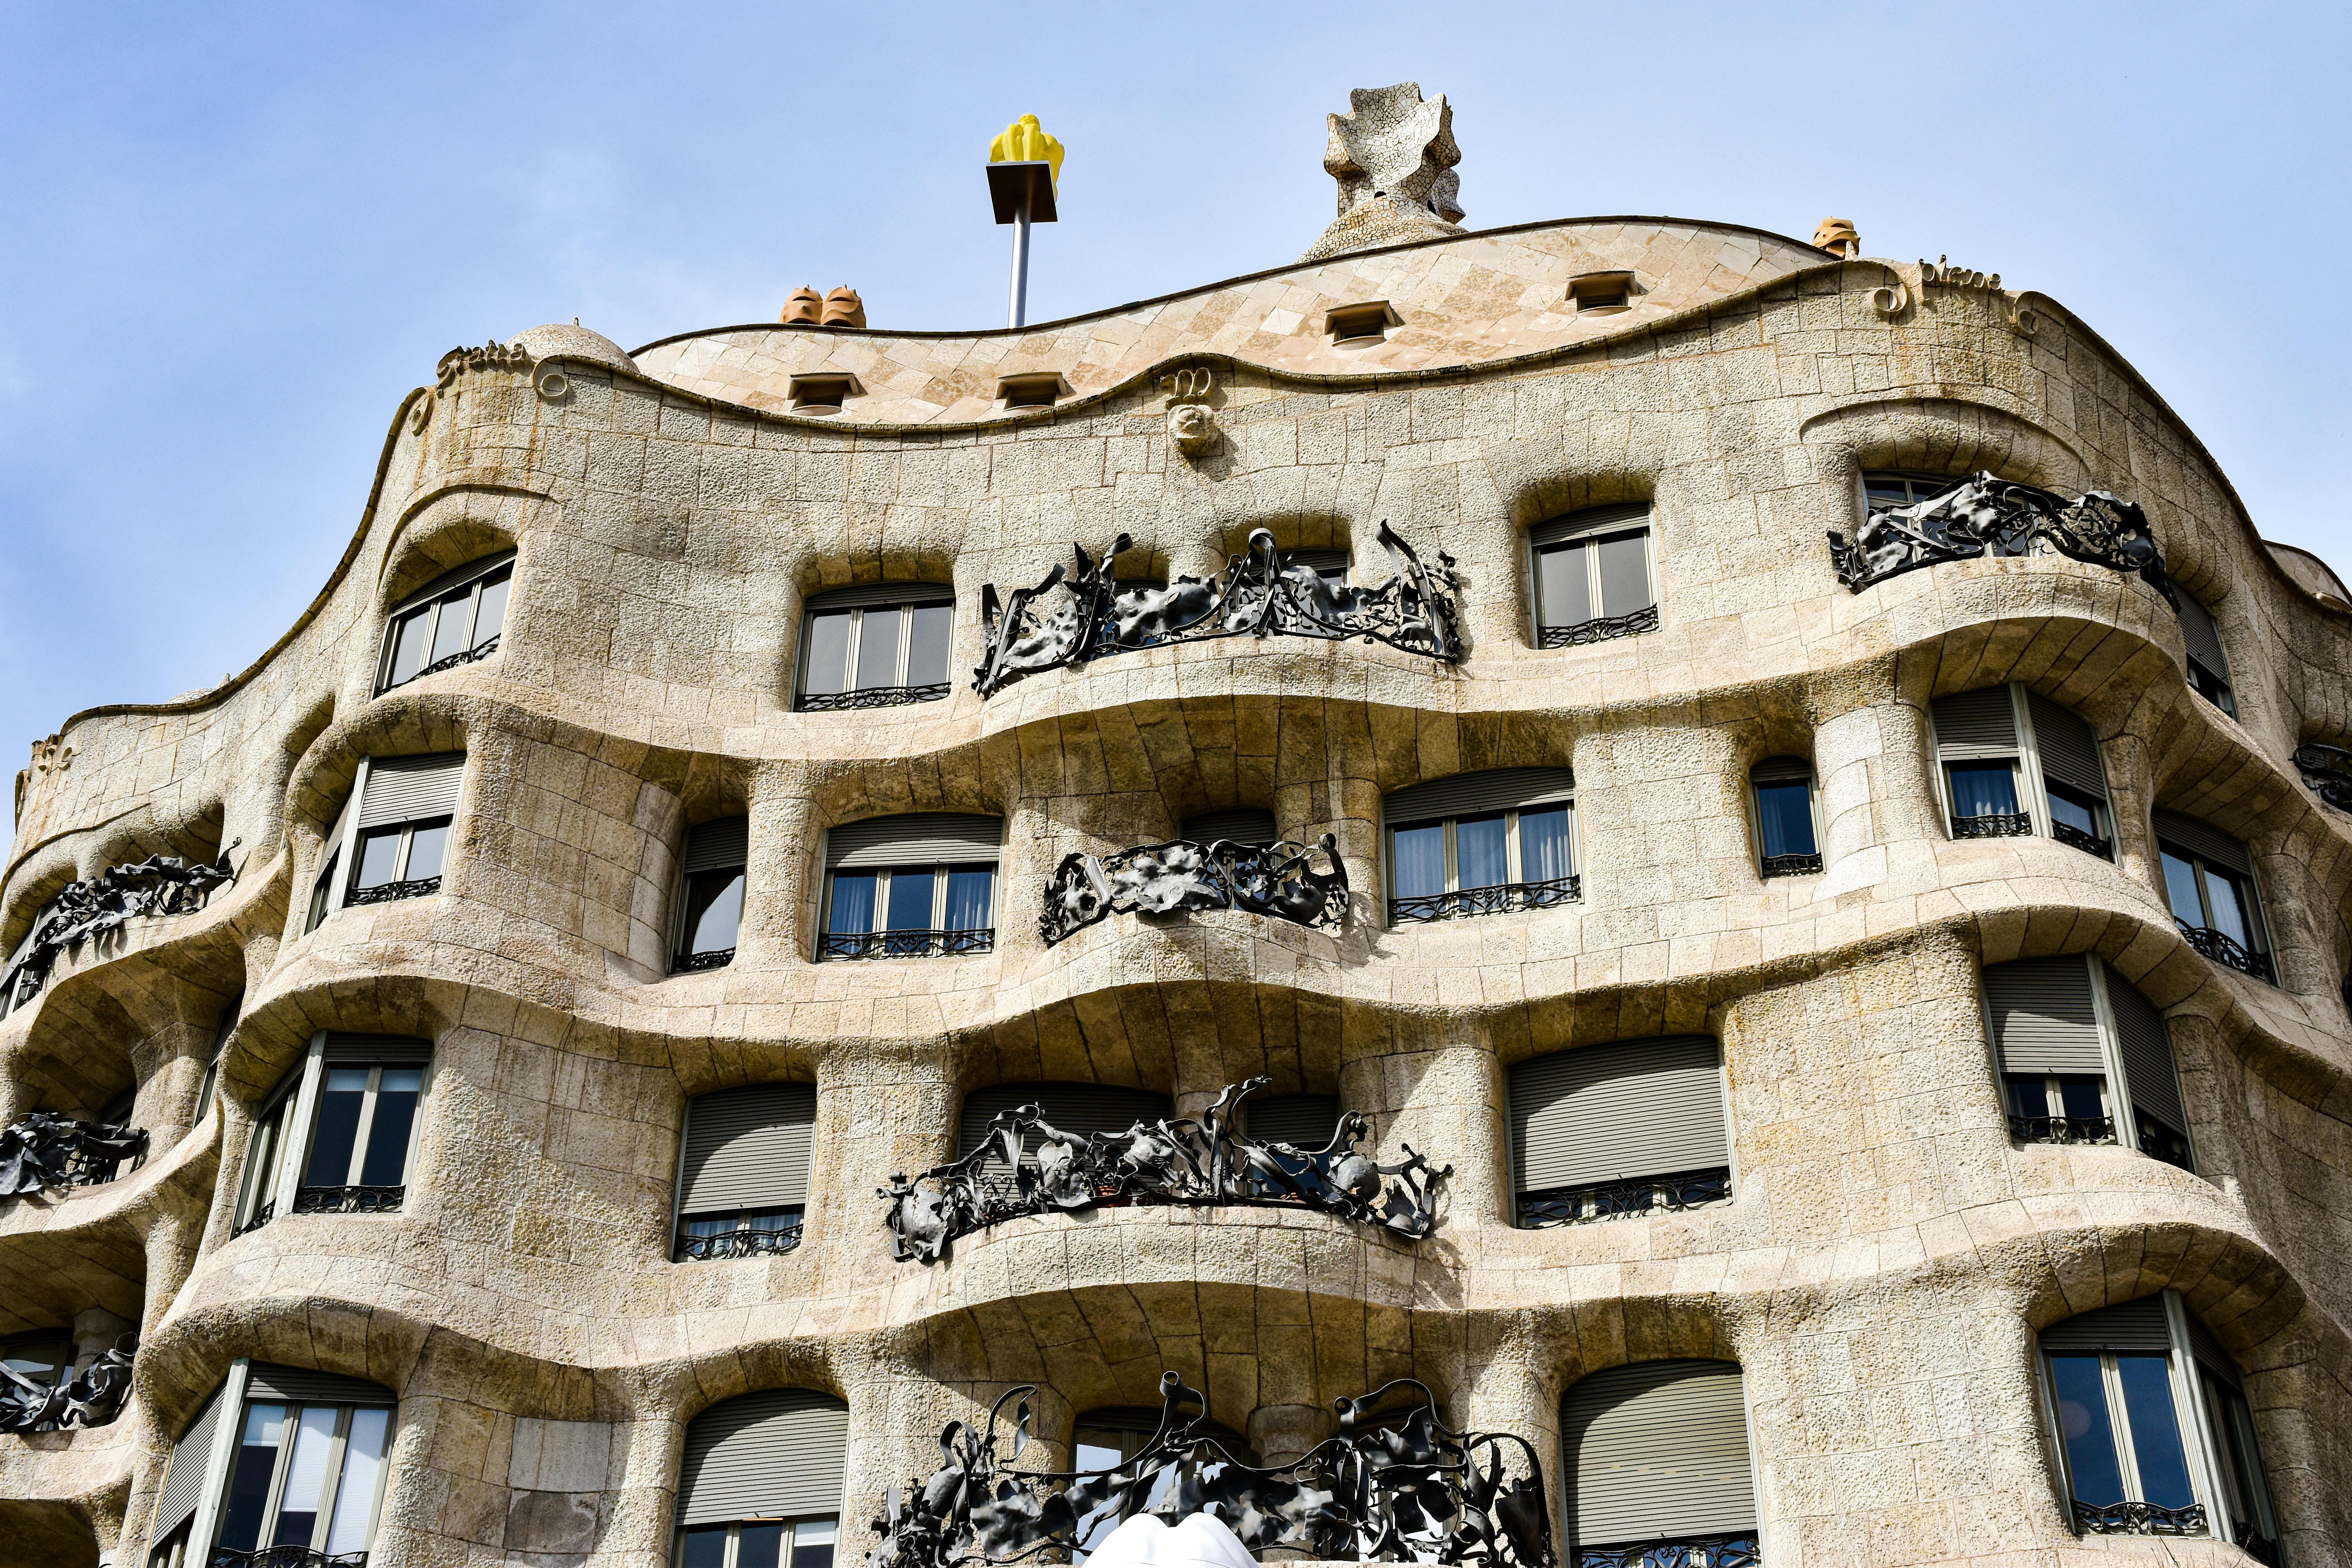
(1605, 1131)
(1656, 1462)
(1595, 573)
(761, 1483)
(710, 887)
(393, 834)
(456, 619)
(338, 1134)
(1786, 844)
(922, 885)
(1482, 844)
(879, 645)
(743, 1170)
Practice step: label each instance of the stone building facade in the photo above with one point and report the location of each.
(1894, 1243)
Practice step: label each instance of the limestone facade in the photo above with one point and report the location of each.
(1891, 1251)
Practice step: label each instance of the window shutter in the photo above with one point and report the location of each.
(2201, 635)
(866, 593)
(1591, 519)
(379, 1050)
(1080, 1108)
(1658, 1449)
(929, 839)
(1975, 724)
(2210, 1350)
(409, 789)
(2152, 1078)
(1319, 560)
(301, 1385)
(1781, 769)
(2069, 751)
(2133, 1326)
(1301, 1120)
(777, 1454)
(1246, 824)
(1465, 794)
(450, 579)
(749, 1148)
(724, 843)
(2210, 842)
(2042, 1016)
(184, 1477)
(1603, 1114)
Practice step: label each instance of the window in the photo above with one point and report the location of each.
(1243, 825)
(743, 1170)
(2012, 763)
(911, 886)
(1594, 576)
(2209, 881)
(211, 1084)
(823, 392)
(2154, 1427)
(296, 1475)
(1352, 326)
(2209, 667)
(1038, 389)
(392, 835)
(1104, 1439)
(1786, 845)
(339, 1134)
(46, 1356)
(1603, 1132)
(2084, 1058)
(454, 619)
(1601, 293)
(761, 1483)
(1331, 566)
(1887, 490)
(878, 646)
(711, 894)
(1481, 844)
(1655, 1459)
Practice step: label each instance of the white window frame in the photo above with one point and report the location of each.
(734, 1528)
(228, 1436)
(884, 875)
(2115, 1087)
(430, 612)
(2028, 782)
(407, 833)
(299, 1098)
(1812, 806)
(1589, 541)
(904, 609)
(1514, 866)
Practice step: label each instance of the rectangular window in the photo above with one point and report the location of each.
(256, 1196)
(2213, 900)
(305, 1478)
(1592, 586)
(886, 648)
(757, 1543)
(1484, 864)
(456, 620)
(909, 912)
(711, 894)
(359, 1141)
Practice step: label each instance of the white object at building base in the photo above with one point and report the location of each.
(1199, 1540)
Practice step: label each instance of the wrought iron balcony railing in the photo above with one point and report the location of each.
(1792, 865)
(262, 1215)
(695, 962)
(158, 885)
(1553, 1206)
(44, 1152)
(2139, 1519)
(2062, 1129)
(1500, 899)
(1685, 1551)
(392, 892)
(466, 655)
(1993, 824)
(286, 1557)
(756, 1241)
(349, 1200)
(2158, 1142)
(2088, 843)
(905, 943)
(867, 696)
(2225, 949)
(1601, 628)
(1278, 879)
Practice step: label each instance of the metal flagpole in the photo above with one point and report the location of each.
(1019, 312)
(1024, 165)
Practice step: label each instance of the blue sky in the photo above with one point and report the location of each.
(236, 236)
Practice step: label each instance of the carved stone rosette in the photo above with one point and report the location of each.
(42, 1151)
(1397, 1484)
(1177, 1160)
(92, 1397)
(1985, 516)
(1072, 617)
(158, 885)
(1278, 879)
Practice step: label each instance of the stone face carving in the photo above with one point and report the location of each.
(1178, 1159)
(158, 885)
(1278, 879)
(1190, 425)
(1393, 155)
(1397, 1484)
(42, 1151)
(1072, 617)
(92, 1397)
(1986, 516)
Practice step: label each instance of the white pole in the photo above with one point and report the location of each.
(1019, 311)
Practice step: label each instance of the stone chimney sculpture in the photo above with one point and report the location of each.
(1393, 155)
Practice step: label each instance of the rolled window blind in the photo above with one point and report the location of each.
(1657, 1449)
(2069, 751)
(2210, 842)
(1465, 794)
(1781, 769)
(450, 579)
(718, 845)
(777, 1454)
(2145, 1044)
(301, 1385)
(1614, 1112)
(749, 1148)
(1245, 825)
(2201, 635)
(410, 789)
(184, 1477)
(1318, 560)
(2132, 1326)
(866, 593)
(1973, 724)
(379, 1050)
(1082, 1108)
(1301, 1120)
(2043, 1020)
(922, 838)
(1589, 519)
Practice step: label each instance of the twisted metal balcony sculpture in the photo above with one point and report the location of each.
(42, 1151)
(1738, 1550)
(2139, 1518)
(1177, 1160)
(158, 885)
(1396, 1485)
(1069, 619)
(1277, 880)
(2326, 772)
(1983, 516)
(92, 1397)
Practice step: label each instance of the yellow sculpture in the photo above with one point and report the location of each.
(1026, 142)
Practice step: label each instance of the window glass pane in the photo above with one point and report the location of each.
(2181, 887)
(408, 645)
(379, 855)
(927, 661)
(355, 1500)
(912, 887)
(851, 910)
(828, 652)
(2029, 1095)
(38, 1361)
(339, 1122)
(1419, 856)
(254, 1468)
(1479, 852)
(1543, 844)
(1563, 592)
(259, 1159)
(1983, 789)
(450, 629)
(877, 648)
(1886, 492)
(2083, 1098)
(759, 1546)
(490, 615)
(2090, 1440)
(1786, 814)
(706, 1547)
(714, 910)
(2154, 1430)
(972, 893)
(2235, 1483)
(1625, 573)
(386, 1164)
(306, 1476)
(323, 890)
(2243, 1459)
(813, 1541)
(428, 847)
(2073, 809)
(2229, 901)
